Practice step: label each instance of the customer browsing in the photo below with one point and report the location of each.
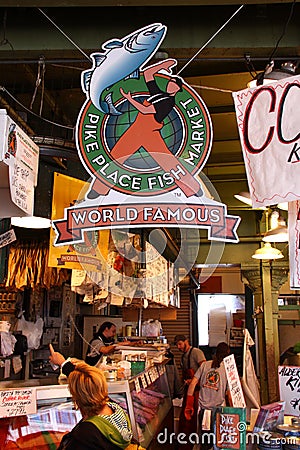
(104, 424)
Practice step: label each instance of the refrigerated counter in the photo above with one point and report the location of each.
(37, 413)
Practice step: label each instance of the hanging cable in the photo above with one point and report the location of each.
(64, 34)
(2, 88)
(270, 65)
(39, 81)
(210, 39)
(4, 40)
(210, 88)
(283, 31)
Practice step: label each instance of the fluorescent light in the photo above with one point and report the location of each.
(31, 222)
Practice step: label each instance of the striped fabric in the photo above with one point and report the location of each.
(119, 420)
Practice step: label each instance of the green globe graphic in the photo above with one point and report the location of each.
(172, 133)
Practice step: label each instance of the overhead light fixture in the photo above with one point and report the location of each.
(244, 197)
(278, 231)
(278, 234)
(267, 252)
(269, 75)
(31, 222)
(284, 206)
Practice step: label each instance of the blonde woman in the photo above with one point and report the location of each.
(104, 424)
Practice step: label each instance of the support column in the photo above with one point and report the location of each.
(265, 280)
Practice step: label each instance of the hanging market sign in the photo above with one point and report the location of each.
(268, 122)
(19, 159)
(143, 135)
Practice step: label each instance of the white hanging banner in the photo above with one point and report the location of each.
(19, 158)
(294, 244)
(268, 123)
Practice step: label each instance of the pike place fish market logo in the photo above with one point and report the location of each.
(141, 132)
(125, 152)
(143, 135)
(119, 149)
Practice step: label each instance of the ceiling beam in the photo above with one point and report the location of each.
(122, 3)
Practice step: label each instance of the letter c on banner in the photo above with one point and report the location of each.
(248, 112)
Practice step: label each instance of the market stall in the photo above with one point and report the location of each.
(39, 412)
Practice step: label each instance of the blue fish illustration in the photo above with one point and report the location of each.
(122, 59)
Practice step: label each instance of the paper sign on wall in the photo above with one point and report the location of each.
(17, 402)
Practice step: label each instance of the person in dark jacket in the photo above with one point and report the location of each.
(104, 424)
(102, 343)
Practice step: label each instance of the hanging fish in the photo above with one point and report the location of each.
(122, 59)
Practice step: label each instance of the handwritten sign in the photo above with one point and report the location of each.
(21, 155)
(289, 388)
(234, 384)
(17, 402)
(7, 238)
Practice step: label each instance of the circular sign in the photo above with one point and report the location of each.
(186, 134)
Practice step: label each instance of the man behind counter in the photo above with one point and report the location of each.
(103, 343)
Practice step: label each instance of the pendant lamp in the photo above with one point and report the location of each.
(31, 222)
(267, 252)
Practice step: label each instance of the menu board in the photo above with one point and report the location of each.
(17, 402)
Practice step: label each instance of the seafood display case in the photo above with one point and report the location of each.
(146, 397)
(37, 413)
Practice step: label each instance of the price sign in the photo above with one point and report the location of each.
(144, 381)
(17, 402)
(152, 378)
(148, 378)
(235, 388)
(137, 385)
